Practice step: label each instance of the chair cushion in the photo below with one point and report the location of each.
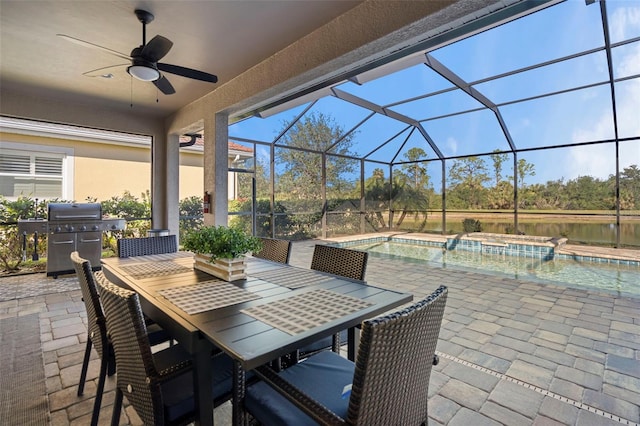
(178, 392)
(156, 334)
(322, 376)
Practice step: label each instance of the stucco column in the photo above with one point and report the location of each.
(216, 168)
(165, 163)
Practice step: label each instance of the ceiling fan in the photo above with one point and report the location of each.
(143, 60)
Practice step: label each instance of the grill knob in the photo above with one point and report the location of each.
(69, 228)
(58, 229)
(94, 227)
(83, 228)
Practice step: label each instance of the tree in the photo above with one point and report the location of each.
(552, 195)
(498, 159)
(467, 177)
(378, 192)
(301, 174)
(589, 193)
(408, 199)
(630, 188)
(524, 170)
(501, 196)
(412, 187)
(415, 171)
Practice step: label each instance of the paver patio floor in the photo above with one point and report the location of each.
(511, 352)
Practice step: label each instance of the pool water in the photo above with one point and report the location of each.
(621, 279)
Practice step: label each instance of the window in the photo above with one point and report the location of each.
(31, 174)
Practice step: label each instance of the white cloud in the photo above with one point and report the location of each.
(452, 145)
(625, 21)
(598, 160)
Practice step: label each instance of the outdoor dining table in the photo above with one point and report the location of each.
(275, 310)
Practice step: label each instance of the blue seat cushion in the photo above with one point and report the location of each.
(322, 376)
(156, 334)
(178, 394)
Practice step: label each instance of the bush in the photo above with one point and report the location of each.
(191, 216)
(471, 225)
(11, 243)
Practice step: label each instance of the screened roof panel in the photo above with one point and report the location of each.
(572, 117)
(415, 144)
(345, 115)
(628, 107)
(393, 88)
(580, 71)
(438, 105)
(372, 133)
(387, 151)
(265, 129)
(467, 134)
(549, 34)
(626, 60)
(624, 19)
(546, 72)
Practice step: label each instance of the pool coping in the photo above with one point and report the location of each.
(555, 248)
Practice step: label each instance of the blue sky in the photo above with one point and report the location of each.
(571, 117)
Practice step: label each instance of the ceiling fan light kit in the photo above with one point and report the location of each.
(143, 72)
(144, 59)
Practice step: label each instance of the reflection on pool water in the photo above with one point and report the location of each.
(621, 279)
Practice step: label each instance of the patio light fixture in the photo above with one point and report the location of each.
(144, 72)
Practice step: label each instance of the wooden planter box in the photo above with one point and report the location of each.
(225, 269)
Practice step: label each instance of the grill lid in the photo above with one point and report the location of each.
(65, 212)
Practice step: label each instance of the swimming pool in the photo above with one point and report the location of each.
(617, 278)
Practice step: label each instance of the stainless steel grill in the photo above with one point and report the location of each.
(72, 227)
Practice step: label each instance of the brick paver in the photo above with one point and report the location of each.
(512, 352)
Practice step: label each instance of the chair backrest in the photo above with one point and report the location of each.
(391, 386)
(95, 314)
(143, 246)
(137, 377)
(340, 261)
(275, 250)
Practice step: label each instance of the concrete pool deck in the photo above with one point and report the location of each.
(511, 352)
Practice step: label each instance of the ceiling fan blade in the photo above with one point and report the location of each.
(94, 46)
(164, 86)
(188, 72)
(102, 72)
(156, 49)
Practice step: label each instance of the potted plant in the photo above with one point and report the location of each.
(220, 250)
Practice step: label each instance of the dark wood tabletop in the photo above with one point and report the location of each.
(277, 309)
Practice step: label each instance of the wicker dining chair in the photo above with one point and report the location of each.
(274, 249)
(341, 261)
(158, 385)
(97, 332)
(337, 261)
(389, 382)
(142, 246)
